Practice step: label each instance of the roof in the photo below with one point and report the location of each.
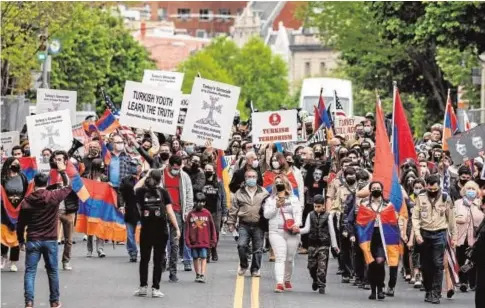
(264, 8)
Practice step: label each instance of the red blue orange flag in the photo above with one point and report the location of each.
(107, 123)
(223, 172)
(385, 171)
(76, 180)
(268, 181)
(316, 120)
(28, 166)
(402, 138)
(450, 123)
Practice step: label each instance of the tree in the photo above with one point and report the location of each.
(260, 74)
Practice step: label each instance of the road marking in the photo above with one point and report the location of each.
(255, 292)
(239, 292)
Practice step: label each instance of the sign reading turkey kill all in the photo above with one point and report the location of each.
(211, 114)
(275, 126)
(150, 107)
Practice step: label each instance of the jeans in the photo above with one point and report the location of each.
(174, 246)
(33, 251)
(432, 251)
(99, 244)
(67, 221)
(151, 238)
(253, 233)
(131, 240)
(284, 246)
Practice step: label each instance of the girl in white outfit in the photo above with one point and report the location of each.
(283, 208)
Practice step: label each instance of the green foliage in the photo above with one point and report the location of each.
(260, 74)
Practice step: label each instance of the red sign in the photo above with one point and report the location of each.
(274, 119)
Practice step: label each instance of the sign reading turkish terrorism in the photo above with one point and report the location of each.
(274, 126)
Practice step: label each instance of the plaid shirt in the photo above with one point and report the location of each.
(124, 165)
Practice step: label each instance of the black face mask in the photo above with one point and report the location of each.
(164, 156)
(309, 131)
(463, 182)
(280, 187)
(350, 180)
(195, 166)
(15, 168)
(208, 174)
(318, 154)
(376, 193)
(433, 194)
(27, 153)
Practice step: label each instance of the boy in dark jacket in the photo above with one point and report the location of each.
(320, 237)
(200, 235)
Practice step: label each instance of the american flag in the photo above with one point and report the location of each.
(109, 104)
(339, 110)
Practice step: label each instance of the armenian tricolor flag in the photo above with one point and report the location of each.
(402, 138)
(389, 230)
(450, 123)
(76, 181)
(98, 215)
(28, 166)
(107, 123)
(386, 171)
(268, 181)
(222, 172)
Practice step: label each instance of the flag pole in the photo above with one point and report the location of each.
(394, 95)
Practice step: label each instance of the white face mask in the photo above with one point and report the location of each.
(119, 147)
(255, 164)
(367, 129)
(275, 164)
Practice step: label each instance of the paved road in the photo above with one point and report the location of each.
(110, 282)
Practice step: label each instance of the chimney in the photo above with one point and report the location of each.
(143, 30)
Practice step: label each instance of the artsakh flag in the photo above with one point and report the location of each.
(385, 170)
(28, 166)
(75, 179)
(402, 139)
(450, 123)
(107, 123)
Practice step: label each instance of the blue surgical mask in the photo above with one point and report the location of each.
(251, 182)
(189, 149)
(471, 194)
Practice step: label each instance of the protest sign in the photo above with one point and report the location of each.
(9, 140)
(184, 104)
(150, 107)
(167, 80)
(49, 100)
(319, 137)
(79, 133)
(467, 145)
(274, 126)
(51, 130)
(211, 114)
(345, 126)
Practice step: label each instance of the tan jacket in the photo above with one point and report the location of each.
(466, 219)
(434, 217)
(338, 204)
(333, 187)
(245, 208)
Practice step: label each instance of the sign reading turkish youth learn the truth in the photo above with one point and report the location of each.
(274, 126)
(150, 107)
(345, 126)
(9, 140)
(211, 113)
(171, 80)
(51, 130)
(49, 100)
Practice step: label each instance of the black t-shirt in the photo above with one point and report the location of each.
(152, 205)
(211, 191)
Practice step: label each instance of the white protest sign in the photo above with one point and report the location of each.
(211, 113)
(150, 107)
(49, 100)
(170, 80)
(345, 126)
(51, 130)
(9, 140)
(274, 126)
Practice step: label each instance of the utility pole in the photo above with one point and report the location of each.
(482, 88)
(45, 64)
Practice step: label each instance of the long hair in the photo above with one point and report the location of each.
(288, 189)
(96, 168)
(6, 168)
(282, 160)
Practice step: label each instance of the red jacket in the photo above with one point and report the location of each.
(200, 230)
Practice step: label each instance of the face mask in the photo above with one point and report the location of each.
(195, 166)
(318, 154)
(93, 152)
(15, 168)
(119, 147)
(433, 194)
(350, 180)
(417, 191)
(471, 194)
(275, 164)
(255, 164)
(199, 206)
(27, 153)
(174, 172)
(367, 129)
(290, 163)
(463, 182)
(164, 156)
(209, 174)
(251, 182)
(376, 193)
(189, 149)
(45, 160)
(280, 187)
(151, 183)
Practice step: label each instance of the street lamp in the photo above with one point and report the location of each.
(482, 88)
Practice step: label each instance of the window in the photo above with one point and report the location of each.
(162, 14)
(322, 68)
(183, 14)
(204, 14)
(307, 69)
(201, 33)
(224, 14)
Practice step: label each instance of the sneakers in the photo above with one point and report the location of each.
(197, 278)
(345, 280)
(288, 286)
(449, 295)
(29, 304)
(66, 266)
(173, 278)
(321, 290)
(133, 259)
(142, 291)
(427, 297)
(202, 279)
(56, 305)
(89, 254)
(3, 262)
(279, 288)
(256, 273)
(302, 251)
(390, 292)
(463, 287)
(242, 271)
(101, 253)
(187, 267)
(314, 286)
(157, 293)
(13, 267)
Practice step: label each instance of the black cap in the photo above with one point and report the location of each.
(318, 199)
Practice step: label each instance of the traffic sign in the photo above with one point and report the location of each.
(41, 56)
